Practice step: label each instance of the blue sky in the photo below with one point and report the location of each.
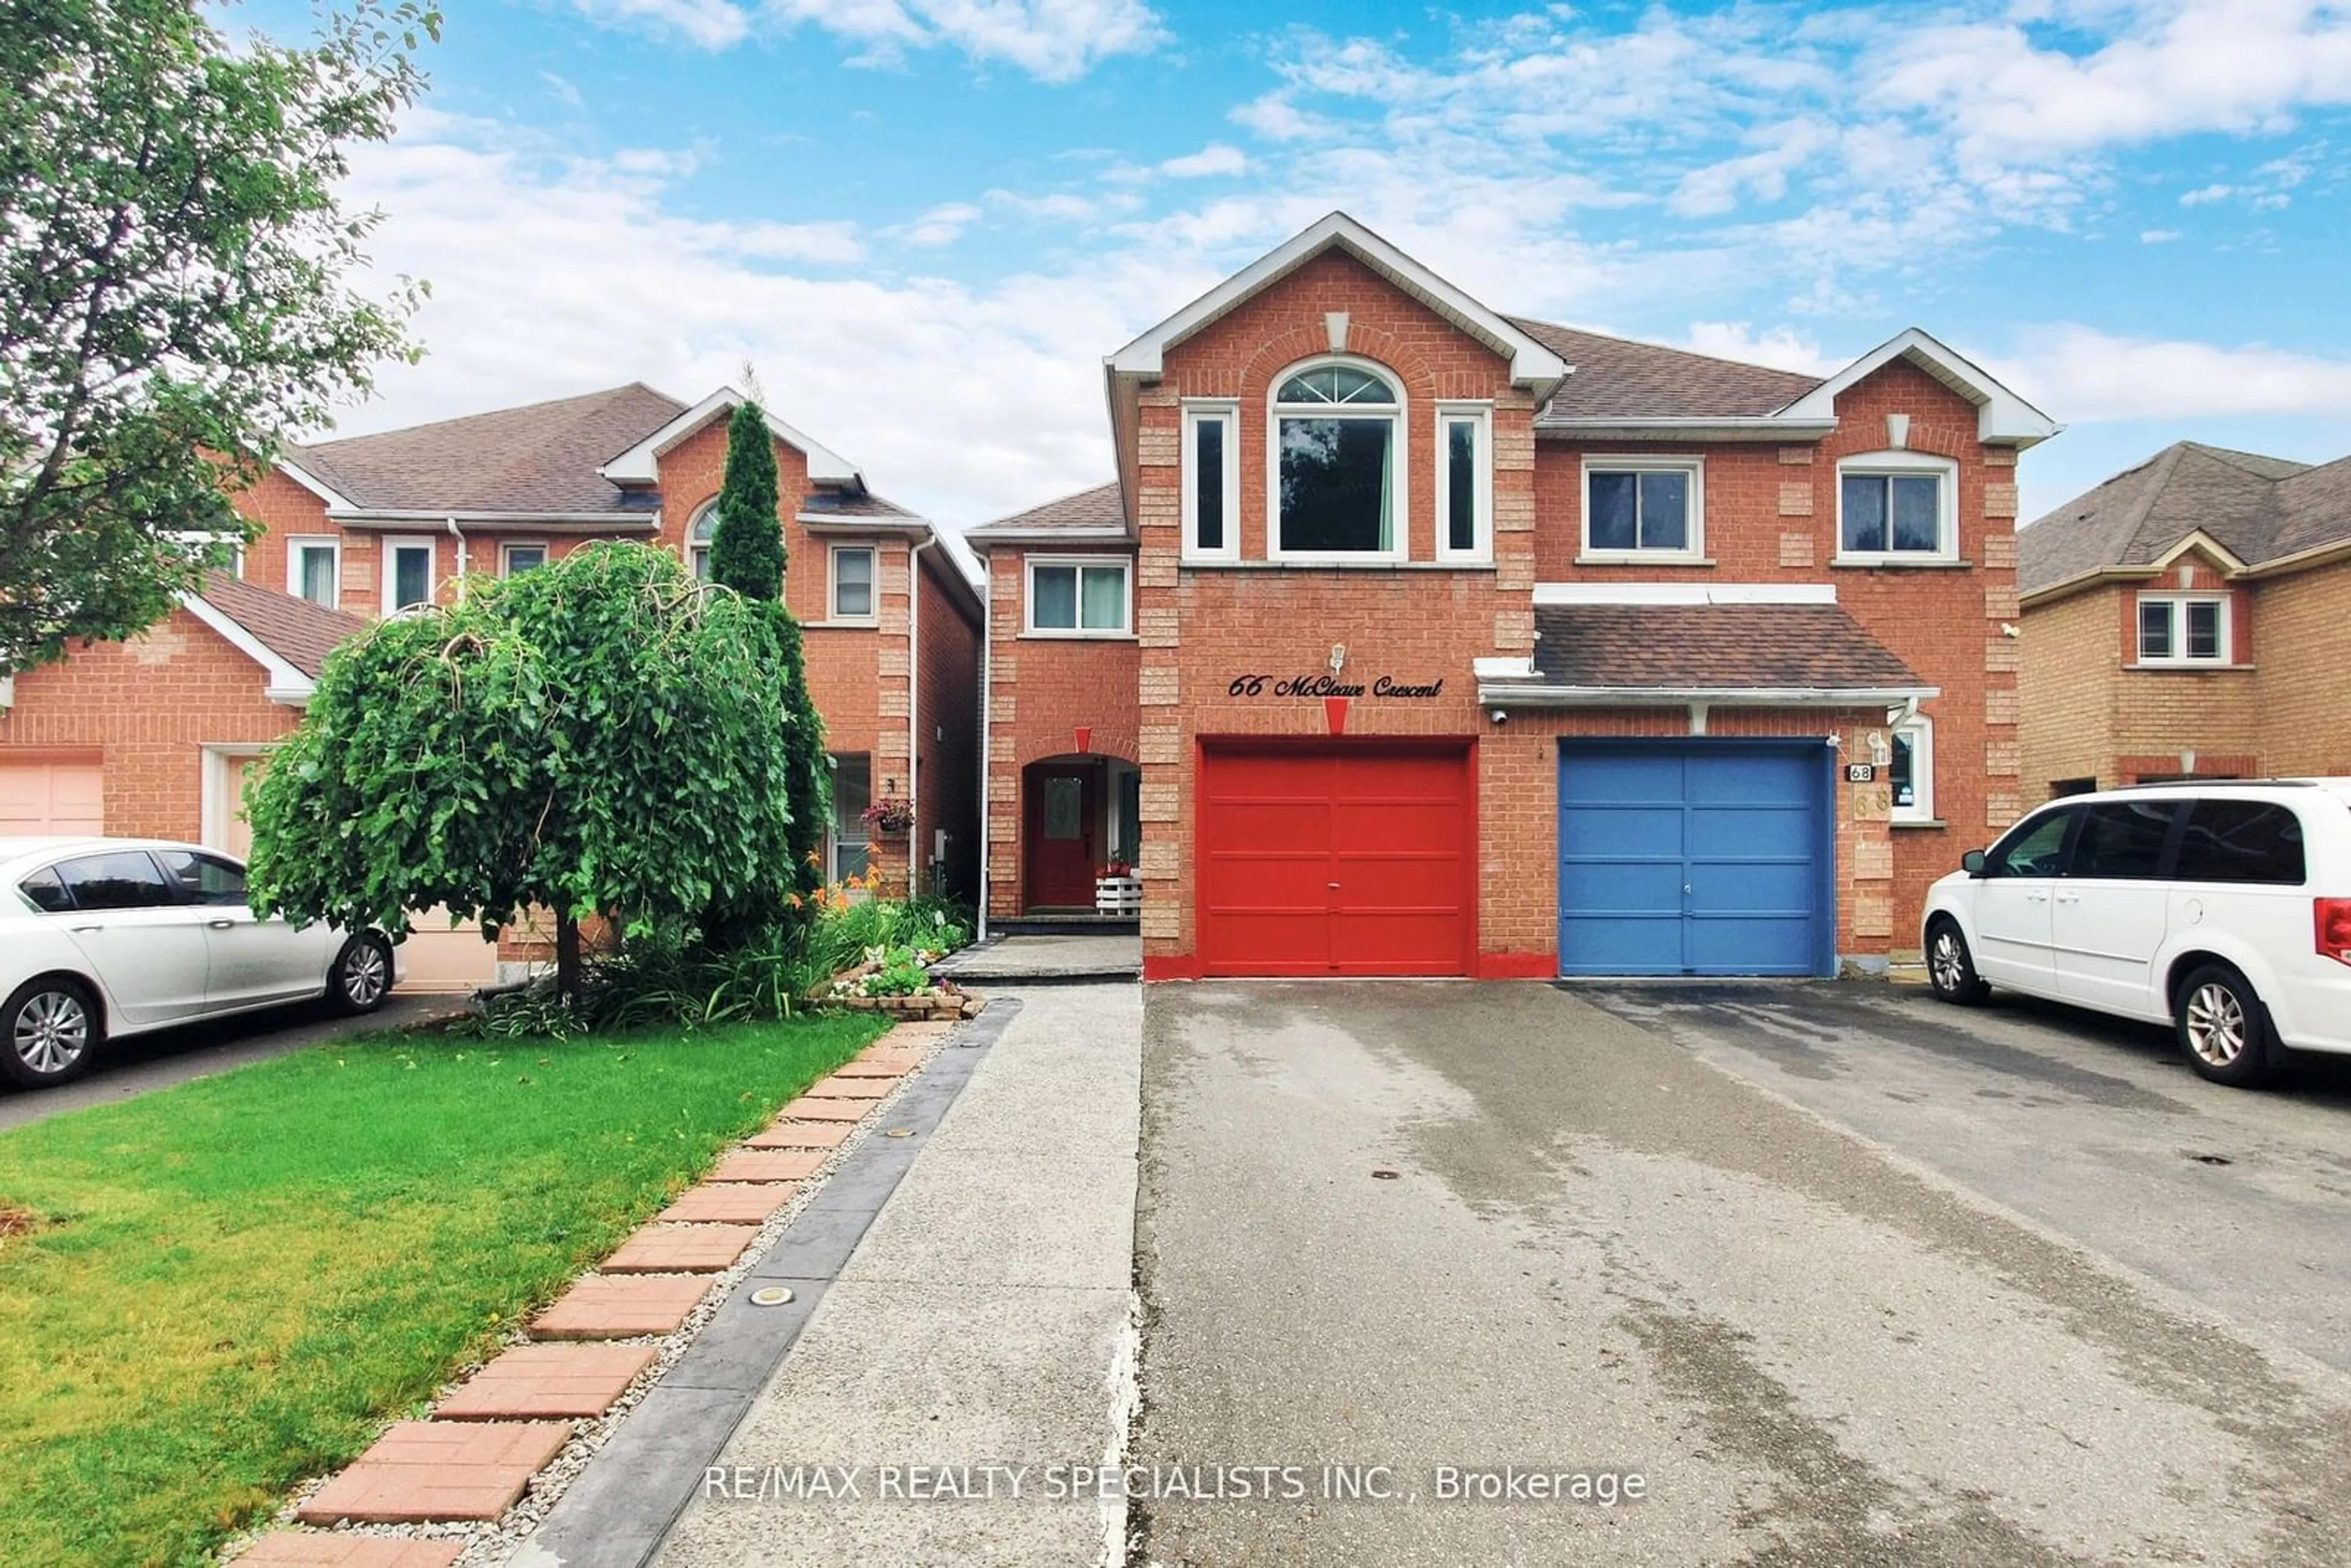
(925, 221)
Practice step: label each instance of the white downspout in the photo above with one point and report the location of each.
(459, 535)
(914, 713)
(986, 724)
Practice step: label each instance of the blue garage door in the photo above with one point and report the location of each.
(1695, 858)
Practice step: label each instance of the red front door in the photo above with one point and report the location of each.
(1335, 858)
(1064, 827)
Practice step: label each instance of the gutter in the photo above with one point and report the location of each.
(1513, 694)
(459, 535)
(986, 726)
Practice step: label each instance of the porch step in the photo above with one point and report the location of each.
(1074, 923)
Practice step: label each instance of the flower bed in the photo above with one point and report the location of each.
(896, 980)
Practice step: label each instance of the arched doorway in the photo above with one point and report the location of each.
(1078, 812)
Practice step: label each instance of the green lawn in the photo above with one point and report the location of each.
(228, 1285)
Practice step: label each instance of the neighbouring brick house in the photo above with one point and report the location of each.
(130, 738)
(1462, 643)
(2190, 618)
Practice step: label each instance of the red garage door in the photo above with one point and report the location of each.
(1335, 858)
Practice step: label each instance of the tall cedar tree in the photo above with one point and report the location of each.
(747, 554)
(176, 298)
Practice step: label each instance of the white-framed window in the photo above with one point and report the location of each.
(699, 533)
(1335, 464)
(1644, 508)
(514, 558)
(1465, 482)
(1897, 508)
(2183, 629)
(407, 573)
(1212, 480)
(852, 594)
(1912, 771)
(1073, 597)
(847, 844)
(314, 569)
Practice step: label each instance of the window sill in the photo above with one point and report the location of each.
(1035, 636)
(1900, 824)
(2190, 667)
(1895, 563)
(1294, 565)
(846, 623)
(1642, 558)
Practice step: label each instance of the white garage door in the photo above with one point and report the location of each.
(51, 798)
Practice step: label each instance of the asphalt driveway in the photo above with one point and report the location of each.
(145, 1062)
(1841, 1277)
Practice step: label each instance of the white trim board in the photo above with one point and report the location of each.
(1530, 361)
(637, 464)
(1554, 593)
(2001, 416)
(283, 683)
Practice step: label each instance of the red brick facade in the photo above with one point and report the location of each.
(146, 708)
(1769, 516)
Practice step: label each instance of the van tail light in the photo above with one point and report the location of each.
(2331, 919)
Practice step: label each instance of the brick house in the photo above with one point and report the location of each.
(2188, 618)
(1462, 644)
(130, 738)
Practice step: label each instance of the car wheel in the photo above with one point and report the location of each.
(362, 974)
(48, 1032)
(1951, 968)
(2223, 1027)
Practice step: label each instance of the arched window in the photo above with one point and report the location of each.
(698, 535)
(1338, 462)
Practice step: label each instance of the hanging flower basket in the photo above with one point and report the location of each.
(890, 815)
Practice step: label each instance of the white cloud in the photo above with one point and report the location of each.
(1217, 158)
(941, 226)
(1054, 40)
(2204, 196)
(2079, 374)
(1781, 347)
(1275, 118)
(2158, 236)
(555, 275)
(707, 24)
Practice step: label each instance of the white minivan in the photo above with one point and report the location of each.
(2224, 908)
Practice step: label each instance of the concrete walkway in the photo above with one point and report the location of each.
(984, 1319)
(1013, 961)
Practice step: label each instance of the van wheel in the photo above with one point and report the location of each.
(2222, 1027)
(1951, 968)
(49, 1029)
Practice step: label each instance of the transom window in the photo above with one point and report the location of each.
(852, 582)
(2180, 631)
(1077, 599)
(1643, 507)
(1896, 508)
(1338, 458)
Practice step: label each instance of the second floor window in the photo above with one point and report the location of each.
(852, 582)
(1338, 460)
(2182, 631)
(1897, 508)
(1642, 506)
(1212, 481)
(1077, 599)
(522, 558)
(314, 569)
(407, 574)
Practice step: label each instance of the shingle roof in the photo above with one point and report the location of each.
(296, 631)
(837, 504)
(1098, 508)
(1703, 646)
(540, 458)
(1615, 378)
(2257, 508)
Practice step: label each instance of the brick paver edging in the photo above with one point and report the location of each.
(488, 1437)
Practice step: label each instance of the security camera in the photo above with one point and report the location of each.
(1500, 715)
